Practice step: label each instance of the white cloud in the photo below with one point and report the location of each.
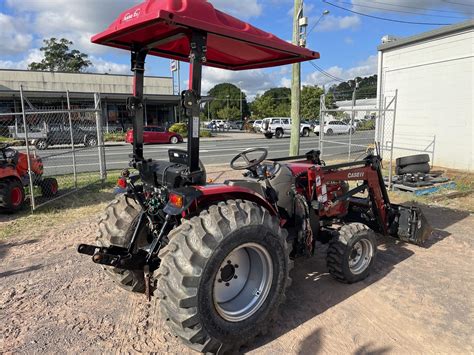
(365, 68)
(336, 23)
(240, 9)
(73, 19)
(405, 7)
(100, 65)
(252, 82)
(34, 55)
(14, 36)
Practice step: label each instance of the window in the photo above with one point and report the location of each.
(276, 121)
(285, 121)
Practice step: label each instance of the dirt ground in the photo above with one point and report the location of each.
(417, 300)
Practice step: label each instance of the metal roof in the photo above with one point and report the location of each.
(164, 27)
(439, 32)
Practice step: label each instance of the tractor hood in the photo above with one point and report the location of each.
(165, 26)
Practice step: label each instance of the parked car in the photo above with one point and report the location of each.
(235, 124)
(256, 125)
(335, 127)
(279, 126)
(60, 134)
(217, 124)
(155, 134)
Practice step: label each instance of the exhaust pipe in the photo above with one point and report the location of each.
(410, 225)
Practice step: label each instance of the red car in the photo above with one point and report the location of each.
(155, 134)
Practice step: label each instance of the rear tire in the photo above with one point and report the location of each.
(202, 300)
(306, 132)
(413, 159)
(423, 168)
(329, 132)
(279, 133)
(269, 135)
(91, 142)
(12, 195)
(174, 140)
(116, 227)
(351, 254)
(49, 187)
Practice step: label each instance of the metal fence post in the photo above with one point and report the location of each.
(322, 101)
(27, 143)
(393, 137)
(100, 141)
(73, 151)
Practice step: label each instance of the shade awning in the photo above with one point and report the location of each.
(165, 27)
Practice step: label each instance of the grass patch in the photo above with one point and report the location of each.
(11, 141)
(78, 206)
(114, 137)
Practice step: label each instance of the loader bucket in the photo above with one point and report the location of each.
(411, 225)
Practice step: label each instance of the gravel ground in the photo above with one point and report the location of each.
(417, 300)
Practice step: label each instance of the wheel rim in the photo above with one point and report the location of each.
(41, 144)
(360, 256)
(54, 188)
(243, 282)
(92, 142)
(16, 196)
(174, 140)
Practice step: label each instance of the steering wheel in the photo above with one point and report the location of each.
(250, 163)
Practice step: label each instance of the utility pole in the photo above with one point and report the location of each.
(299, 39)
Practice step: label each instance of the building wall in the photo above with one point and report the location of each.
(80, 82)
(434, 79)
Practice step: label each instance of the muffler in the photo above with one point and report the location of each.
(410, 225)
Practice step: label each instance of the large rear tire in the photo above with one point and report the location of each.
(351, 254)
(116, 227)
(223, 275)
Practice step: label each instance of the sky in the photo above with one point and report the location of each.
(347, 41)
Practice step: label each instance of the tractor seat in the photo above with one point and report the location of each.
(252, 185)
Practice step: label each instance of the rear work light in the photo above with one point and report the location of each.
(122, 183)
(176, 200)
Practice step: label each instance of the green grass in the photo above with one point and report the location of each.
(80, 205)
(11, 141)
(114, 137)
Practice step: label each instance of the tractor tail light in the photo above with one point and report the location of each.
(176, 200)
(122, 183)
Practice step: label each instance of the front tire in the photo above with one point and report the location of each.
(116, 227)
(279, 134)
(174, 140)
(223, 275)
(306, 132)
(41, 144)
(49, 187)
(351, 254)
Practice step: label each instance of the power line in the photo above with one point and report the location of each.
(384, 18)
(400, 11)
(325, 73)
(409, 7)
(458, 3)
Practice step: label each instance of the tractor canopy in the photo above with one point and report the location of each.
(165, 27)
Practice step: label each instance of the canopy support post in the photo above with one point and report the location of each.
(135, 103)
(191, 98)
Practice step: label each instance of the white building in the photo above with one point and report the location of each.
(366, 108)
(433, 74)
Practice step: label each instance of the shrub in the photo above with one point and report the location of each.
(114, 137)
(366, 125)
(182, 129)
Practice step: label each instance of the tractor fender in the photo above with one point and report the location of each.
(199, 197)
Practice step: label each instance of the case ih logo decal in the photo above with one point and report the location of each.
(355, 175)
(128, 16)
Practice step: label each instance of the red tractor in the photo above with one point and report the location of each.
(14, 177)
(218, 256)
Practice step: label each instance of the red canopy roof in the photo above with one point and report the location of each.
(165, 27)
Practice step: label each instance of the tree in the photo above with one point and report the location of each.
(58, 57)
(226, 96)
(367, 88)
(310, 102)
(275, 102)
(228, 113)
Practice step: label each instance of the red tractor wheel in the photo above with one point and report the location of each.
(12, 195)
(49, 187)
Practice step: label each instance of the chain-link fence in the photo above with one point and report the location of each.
(49, 152)
(349, 133)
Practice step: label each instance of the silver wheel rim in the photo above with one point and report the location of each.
(174, 140)
(92, 142)
(41, 144)
(360, 256)
(243, 282)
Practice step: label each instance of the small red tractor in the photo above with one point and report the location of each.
(218, 256)
(14, 177)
